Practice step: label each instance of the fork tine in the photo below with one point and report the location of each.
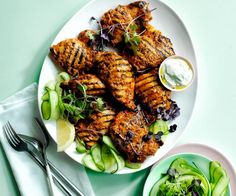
(13, 132)
(10, 141)
(8, 132)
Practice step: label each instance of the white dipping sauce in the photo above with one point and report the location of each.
(177, 72)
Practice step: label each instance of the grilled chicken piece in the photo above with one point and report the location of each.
(151, 92)
(153, 49)
(91, 130)
(93, 83)
(128, 132)
(115, 21)
(72, 56)
(101, 121)
(117, 74)
(88, 136)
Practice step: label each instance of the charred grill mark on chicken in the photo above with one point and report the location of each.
(151, 52)
(95, 127)
(72, 56)
(117, 74)
(151, 92)
(93, 84)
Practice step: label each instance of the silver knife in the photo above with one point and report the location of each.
(69, 183)
(58, 181)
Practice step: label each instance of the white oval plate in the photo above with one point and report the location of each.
(208, 152)
(164, 19)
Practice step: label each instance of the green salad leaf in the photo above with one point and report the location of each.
(131, 38)
(79, 107)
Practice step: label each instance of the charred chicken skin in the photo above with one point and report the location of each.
(115, 21)
(94, 85)
(88, 136)
(128, 132)
(101, 121)
(151, 92)
(72, 56)
(117, 74)
(95, 127)
(153, 49)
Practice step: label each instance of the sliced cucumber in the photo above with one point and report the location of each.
(155, 189)
(221, 186)
(88, 162)
(224, 192)
(46, 110)
(150, 129)
(50, 108)
(50, 85)
(58, 88)
(53, 100)
(121, 163)
(183, 167)
(107, 140)
(59, 93)
(97, 156)
(108, 160)
(160, 125)
(132, 165)
(212, 167)
(80, 146)
(119, 160)
(53, 95)
(45, 96)
(63, 76)
(219, 178)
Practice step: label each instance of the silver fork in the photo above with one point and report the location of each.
(19, 145)
(39, 147)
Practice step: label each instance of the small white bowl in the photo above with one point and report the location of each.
(166, 84)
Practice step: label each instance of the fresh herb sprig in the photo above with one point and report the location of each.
(132, 39)
(99, 40)
(80, 107)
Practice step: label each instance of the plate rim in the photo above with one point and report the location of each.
(168, 149)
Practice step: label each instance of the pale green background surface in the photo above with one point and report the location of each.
(27, 28)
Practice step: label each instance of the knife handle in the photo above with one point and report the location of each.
(59, 174)
(58, 181)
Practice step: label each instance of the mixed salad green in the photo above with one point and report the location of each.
(185, 179)
(65, 104)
